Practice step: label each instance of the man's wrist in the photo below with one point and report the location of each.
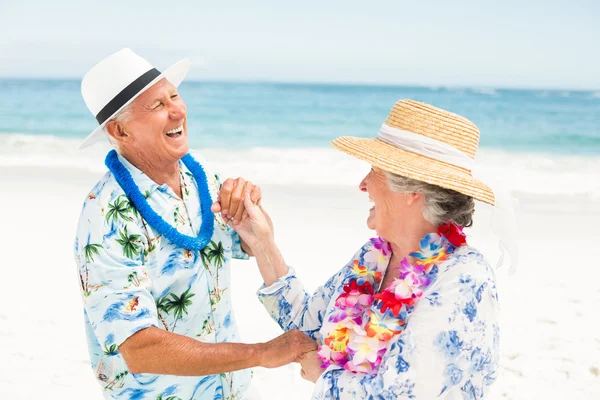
(257, 354)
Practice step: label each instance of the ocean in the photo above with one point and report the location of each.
(280, 133)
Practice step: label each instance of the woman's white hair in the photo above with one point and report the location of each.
(441, 205)
(122, 116)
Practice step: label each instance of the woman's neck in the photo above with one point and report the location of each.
(402, 245)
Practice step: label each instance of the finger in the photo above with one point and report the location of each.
(251, 208)
(241, 208)
(256, 195)
(216, 207)
(225, 195)
(236, 197)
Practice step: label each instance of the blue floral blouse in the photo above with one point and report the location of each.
(449, 349)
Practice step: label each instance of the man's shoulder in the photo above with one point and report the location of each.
(103, 192)
(105, 195)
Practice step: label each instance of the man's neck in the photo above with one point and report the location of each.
(165, 173)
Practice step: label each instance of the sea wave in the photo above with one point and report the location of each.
(487, 91)
(536, 173)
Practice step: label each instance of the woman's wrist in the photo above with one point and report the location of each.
(270, 261)
(264, 245)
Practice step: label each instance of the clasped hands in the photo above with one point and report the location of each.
(230, 201)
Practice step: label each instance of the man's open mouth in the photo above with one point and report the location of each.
(175, 133)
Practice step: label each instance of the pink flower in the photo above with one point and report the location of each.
(407, 268)
(356, 295)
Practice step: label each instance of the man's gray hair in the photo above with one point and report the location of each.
(441, 205)
(122, 116)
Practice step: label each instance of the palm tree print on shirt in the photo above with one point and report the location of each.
(119, 208)
(178, 304)
(214, 254)
(162, 306)
(130, 243)
(90, 251)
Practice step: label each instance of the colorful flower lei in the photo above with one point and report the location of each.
(360, 332)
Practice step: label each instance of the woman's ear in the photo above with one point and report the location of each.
(414, 198)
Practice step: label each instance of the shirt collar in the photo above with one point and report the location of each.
(147, 186)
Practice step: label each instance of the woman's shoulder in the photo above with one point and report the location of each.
(466, 265)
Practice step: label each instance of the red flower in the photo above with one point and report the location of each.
(390, 302)
(364, 288)
(453, 233)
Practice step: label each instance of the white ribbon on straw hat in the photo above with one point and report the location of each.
(116, 81)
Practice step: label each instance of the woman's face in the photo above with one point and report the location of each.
(390, 210)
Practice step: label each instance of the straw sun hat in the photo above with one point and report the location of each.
(425, 143)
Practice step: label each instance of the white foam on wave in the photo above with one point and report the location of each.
(518, 172)
(487, 91)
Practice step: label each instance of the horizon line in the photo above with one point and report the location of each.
(330, 83)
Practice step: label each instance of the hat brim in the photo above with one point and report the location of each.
(415, 166)
(174, 74)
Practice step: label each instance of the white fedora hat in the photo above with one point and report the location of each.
(116, 81)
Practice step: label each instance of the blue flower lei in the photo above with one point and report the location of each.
(207, 228)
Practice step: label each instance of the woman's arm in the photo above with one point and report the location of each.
(283, 294)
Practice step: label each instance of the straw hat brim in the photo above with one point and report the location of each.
(174, 74)
(415, 166)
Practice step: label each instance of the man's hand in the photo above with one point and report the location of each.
(231, 199)
(285, 349)
(311, 367)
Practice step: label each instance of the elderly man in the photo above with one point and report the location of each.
(153, 257)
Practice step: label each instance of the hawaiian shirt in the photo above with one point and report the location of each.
(449, 349)
(133, 278)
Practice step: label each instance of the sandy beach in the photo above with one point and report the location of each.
(550, 343)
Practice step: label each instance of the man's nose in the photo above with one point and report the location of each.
(178, 111)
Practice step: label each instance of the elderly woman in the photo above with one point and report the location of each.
(152, 256)
(414, 313)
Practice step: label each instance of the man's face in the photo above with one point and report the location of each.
(157, 125)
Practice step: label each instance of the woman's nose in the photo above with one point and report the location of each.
(362, 186)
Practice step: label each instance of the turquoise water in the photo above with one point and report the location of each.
(241, 115)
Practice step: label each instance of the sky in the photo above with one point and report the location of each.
(508, 43)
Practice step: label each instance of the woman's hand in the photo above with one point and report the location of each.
(255, 227)
(311, 366)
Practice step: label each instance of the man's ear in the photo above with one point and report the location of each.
(115, 130)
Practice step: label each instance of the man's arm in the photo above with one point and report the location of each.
(155, 351)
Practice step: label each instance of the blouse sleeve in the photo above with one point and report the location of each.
(449, 349)
(293, 308)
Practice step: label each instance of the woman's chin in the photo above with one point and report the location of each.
(371, 223)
